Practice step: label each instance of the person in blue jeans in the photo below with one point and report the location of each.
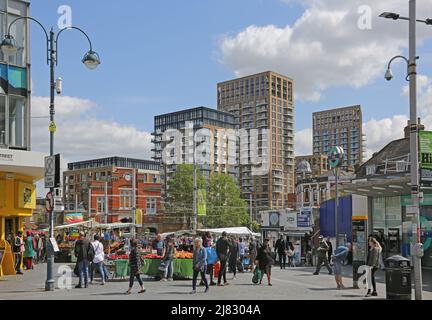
(199, 265)
(84, 253)
(168, 260)
(339, 257)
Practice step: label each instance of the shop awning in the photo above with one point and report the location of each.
(110, 226)
(388, 186)
(86, 224)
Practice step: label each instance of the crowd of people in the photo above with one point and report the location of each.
(29, 250)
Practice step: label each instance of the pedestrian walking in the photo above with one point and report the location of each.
(234, 256)
(253, 251)
(265, 261)
(212, 259)
(242, 251)
(168, 259)
(281, 250)
(199, 265)
(29, 252)
(134, 268)
(98, 260)
(290, 254)
(222, 250)
(322, 256)
(18, 250)
(340, 255)
(84, 253)
(373, 264)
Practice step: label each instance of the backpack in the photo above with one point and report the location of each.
(90, 252)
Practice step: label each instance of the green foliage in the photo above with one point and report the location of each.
(225, 208)
(179, 198)
(255, 226)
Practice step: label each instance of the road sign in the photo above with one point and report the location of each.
(49, 202)
(52, 127)
(58, 204)
(52, 171)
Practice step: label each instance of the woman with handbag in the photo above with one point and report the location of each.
(265, 261)
(290, 254)
(199, 265)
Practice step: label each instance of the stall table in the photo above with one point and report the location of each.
(182, 268)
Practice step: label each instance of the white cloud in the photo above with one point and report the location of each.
(324, 47)
(81, 135)
(303, 142)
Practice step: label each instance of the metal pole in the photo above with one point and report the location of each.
(337, 207)
(106, 202)
(414, 147)
(49, 284)
(195, 211)
(89, 201)
(250, 210)
(134, 203)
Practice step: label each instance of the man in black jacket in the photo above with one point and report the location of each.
(222, 250)
(280, 248)
(84, 253)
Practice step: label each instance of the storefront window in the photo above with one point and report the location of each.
(378, 212)
(17, 122)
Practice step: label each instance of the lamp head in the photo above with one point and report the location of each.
(390, 15)
(389, 75)
(91, 60)
(8, 45)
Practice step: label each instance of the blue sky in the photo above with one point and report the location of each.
(161, 56)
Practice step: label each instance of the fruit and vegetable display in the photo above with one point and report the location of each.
(118, 256)
(152, 256)
(183, 255)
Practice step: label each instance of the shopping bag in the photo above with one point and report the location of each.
(162, 267)
(256, 276)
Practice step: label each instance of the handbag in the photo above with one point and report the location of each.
(290, 253)
(162, 267)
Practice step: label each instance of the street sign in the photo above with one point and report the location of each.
(412, 209)
(52, 127)
(52, 171)
(49, 202)
(58, 204)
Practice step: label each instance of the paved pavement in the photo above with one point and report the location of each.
(289, 284)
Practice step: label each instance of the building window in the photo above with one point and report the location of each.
(151, 206)
(17, 122)
(125, 199)
(370, 170)
(100, 204)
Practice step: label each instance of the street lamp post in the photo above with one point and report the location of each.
(415, 184)
(91, 60)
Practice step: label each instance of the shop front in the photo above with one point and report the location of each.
(390, 219)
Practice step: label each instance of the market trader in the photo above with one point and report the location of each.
(222, 250)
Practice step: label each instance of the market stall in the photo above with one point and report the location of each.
(182, 265)
(66, 235)
(236, 231)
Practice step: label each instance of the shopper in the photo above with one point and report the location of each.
(322, 256)
(159, 245)
(168, 260)
(290, 254)
(98, 260)
(253, 251)
(29, 252)
(134, 267)
(339, 257)
(18, 250)
(373, 264)
(199, 265)
(222, 250)
(84, 253)
(280, 249)
(234, 256)
(265, 261)
(242, 250)
(212, 259)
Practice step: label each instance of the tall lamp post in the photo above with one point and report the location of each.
(415, 185)
(91, 60)
(335, 158)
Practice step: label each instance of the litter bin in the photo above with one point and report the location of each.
(398, 278)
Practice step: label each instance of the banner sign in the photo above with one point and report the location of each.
(202, 205)
(70, 218)
(304, 218)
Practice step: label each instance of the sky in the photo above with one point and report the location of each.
(163, 56)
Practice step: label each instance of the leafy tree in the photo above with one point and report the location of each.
(225, 208)
(255, 226)
(179, 197)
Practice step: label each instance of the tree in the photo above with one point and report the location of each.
(179, 197)
(225, 208)
(255, 226)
